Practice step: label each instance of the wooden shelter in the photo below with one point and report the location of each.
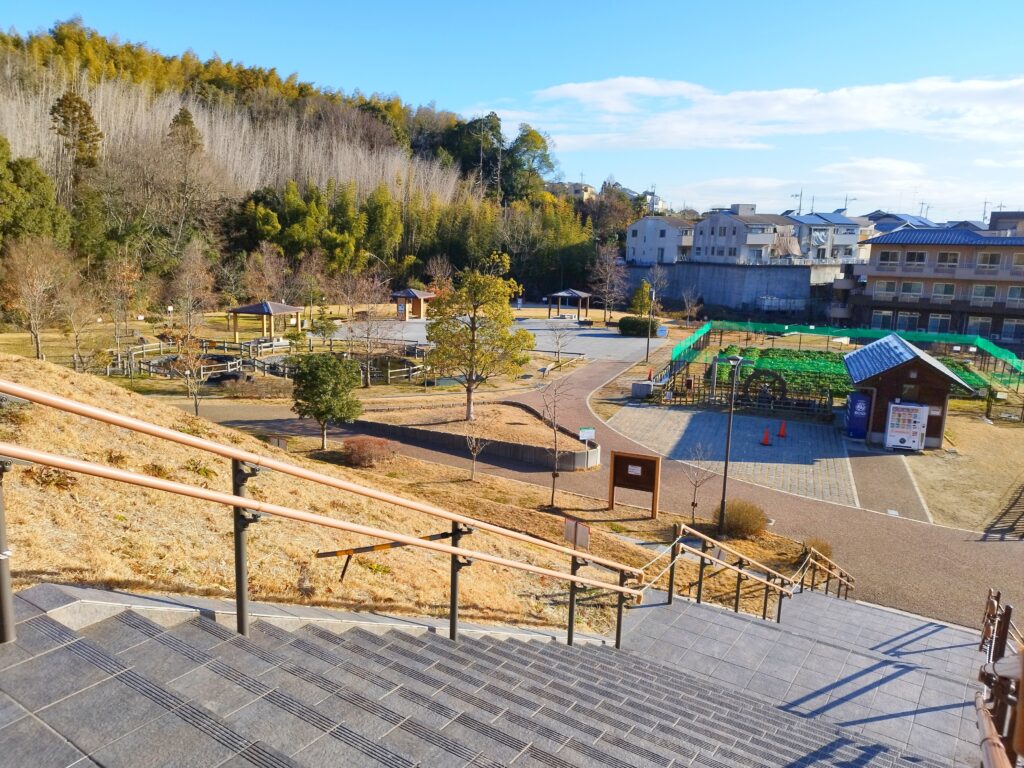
(411, 304)
(569, 295)
(908, 391)
(266, 311)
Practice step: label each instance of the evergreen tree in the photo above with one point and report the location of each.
(323, 390)
(71, 119)
(28, 201)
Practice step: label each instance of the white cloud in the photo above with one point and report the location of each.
(649, 113)
(873, 167)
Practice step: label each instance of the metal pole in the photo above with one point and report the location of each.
(700, 572)
(814, 574)
(571, 630)
(6, 590)
(242, 518)
(828, 580)
(739, 581)
(618, 613)
(650, 323)
(764, 608)
(453, 601)
(778, 607)
(728, 448)
(677, 532)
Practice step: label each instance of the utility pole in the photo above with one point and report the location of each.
(984, 209)
(650, 323)
(847, 200)
(800, 205)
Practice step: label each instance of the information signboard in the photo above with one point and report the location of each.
(636, 472)
(587, 433)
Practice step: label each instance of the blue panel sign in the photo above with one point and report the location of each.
(662, 332)
(858, 406)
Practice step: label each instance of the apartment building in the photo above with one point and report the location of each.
(826, 236)
(741, 235)
(943, 280)
(659, 240)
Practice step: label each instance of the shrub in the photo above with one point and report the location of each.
(367, 451)
(821, 545)
(744, 519)
(631, 325)
(51, 477)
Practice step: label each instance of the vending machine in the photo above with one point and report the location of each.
(906, 426)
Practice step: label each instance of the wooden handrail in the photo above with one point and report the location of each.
(993, 753)
(210, 446)
(841, 575)
(68, 464)
(729, 549)
(729, 566)
(837, 569)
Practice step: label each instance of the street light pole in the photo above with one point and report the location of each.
(650, 323)
(735, 361)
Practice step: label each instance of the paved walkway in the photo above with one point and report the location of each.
(810, 461)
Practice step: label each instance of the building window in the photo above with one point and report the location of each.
(948, 259)
(696, 251)
(734, 231)
(988, 261)
(721, 231)
(633, 233)
(983, 292)
(632, 252)
(916, 258)
(911, 289)
(661, 233)
(756, 230)
(943, 290)
(1018, 260)
(756, 253)
(979, 326)
(721, 250)
(1015, 292)
(882, 319)
(884, 289)
(732, 251)
(889, 257)
(821, 253)
(661, 254)
(907, 321)
(938, 323)
(1013, 328)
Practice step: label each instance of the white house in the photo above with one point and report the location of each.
(659, 240)
(741, 235)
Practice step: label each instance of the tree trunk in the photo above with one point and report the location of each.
(469, 403)
(323, 436)
(37, 342)
(472, 469)
(195, 400)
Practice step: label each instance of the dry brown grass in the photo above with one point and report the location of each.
(504, 422)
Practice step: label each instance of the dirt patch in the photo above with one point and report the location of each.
(607, 401)
(976, 481)
(497, 422)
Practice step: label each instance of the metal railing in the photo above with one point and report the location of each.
(815, 562)
(998, 707)
(246, 464)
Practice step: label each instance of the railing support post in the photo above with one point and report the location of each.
(243, 518)
(6, 590)
(700, 572)
(457, 565)
(677, 532)
(814, 574)
(764, 607)
(618, 612)
(739, 582)
(828, 580)
(778, 607)
(571, 628)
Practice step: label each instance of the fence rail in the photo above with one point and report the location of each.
(998, 706)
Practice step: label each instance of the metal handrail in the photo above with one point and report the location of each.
(210, 446)
(839, 571)
(68, 464)
(728, 566)
(841, 575)
(727, 548)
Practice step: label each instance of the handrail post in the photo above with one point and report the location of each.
(242, 518)
(828, 580)
(778, 607)
(571, 629)
(814, 574)
(1000, 692)
(700, 572)
(6, 590)
(677, 532)
(764, 608)
(803, 576)
(739, 581)
(458, 531)
(618, 612)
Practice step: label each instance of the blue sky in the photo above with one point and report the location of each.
(897, 104)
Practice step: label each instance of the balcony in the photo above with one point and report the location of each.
(982, 301)
(844, 284)
(910, 298)
(942, 298)
(761, 238)
(887, 267)
(1015, 303)
(883, 295)
(948, 269)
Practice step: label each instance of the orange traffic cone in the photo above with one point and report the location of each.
(767, 439)
(782, 429)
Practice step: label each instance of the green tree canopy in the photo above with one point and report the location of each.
(28, 201)
(72, 121)
(323, 390)
(640, 301)
(471, 328)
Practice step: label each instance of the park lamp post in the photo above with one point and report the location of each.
(735, 361)
(650, 323)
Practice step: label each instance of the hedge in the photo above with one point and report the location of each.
(631, 325)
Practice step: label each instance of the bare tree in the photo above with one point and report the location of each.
(552, 397)
(121, 290)
(77, 308)
(561, 336)
(309, 282)
(188, 364)
(479, 434)
(699, 470)
(35, 271)
(691, 303)
(440, 272)
(608, 278)
(266, 273)
(657, 277)
(371, 290)
(191, 291)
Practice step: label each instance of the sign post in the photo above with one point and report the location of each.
(637, 472)
(587, 433)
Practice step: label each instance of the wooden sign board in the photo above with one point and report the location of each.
(636, 472)
(278, 441)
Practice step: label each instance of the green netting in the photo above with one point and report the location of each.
(981, 343)
(685, 349)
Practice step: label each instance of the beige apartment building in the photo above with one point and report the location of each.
(939, 280)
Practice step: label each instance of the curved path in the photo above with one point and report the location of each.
(931, 570)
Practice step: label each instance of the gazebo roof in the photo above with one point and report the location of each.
(569, 293)
(412, 293)
(266, 308)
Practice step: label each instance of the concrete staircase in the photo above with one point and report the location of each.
(145, 687)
